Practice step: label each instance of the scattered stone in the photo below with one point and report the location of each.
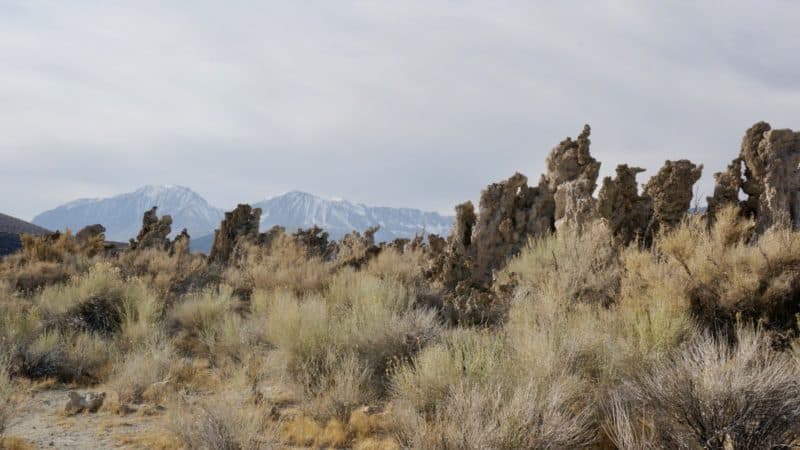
(78, 403)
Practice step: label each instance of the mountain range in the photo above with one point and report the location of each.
(122, 215)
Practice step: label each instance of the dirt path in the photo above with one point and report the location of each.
(40, 420)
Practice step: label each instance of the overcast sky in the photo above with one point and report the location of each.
(395, 103)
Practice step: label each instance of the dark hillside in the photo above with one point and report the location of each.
(10, 229)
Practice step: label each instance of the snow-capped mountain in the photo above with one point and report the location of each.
(122, 214)
(338, 217)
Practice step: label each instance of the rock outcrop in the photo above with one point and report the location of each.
(771, 158)
(627, 213)
(766, 172)
(356, 249)
(726, 189)
(670, 192)
(89, 233)
(154, 233)
(572, 177)
(238, 227)
(316, 242)
(510, 213)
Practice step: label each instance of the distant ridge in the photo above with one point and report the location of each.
(10, 224)
(338, 217)
(10, 230)
(122, 214)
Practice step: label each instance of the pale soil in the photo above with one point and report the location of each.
(40, 420)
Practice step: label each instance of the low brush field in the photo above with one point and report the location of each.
(686, 343)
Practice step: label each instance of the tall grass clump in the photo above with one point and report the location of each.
(6, 390)
(47, 260)
(470, 391)
(282, 265)
(575, 266)
(339, 348)
(141, 369)
(727, 272)
(169, 274)
(711, 394)
(210, 324)
(221, 423)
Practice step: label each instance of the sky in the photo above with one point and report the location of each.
(393, 103)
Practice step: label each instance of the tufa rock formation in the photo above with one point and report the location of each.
(511, 213)
(238, 227)
(766, 172)
(572, 177)
(726, 188)
(154, 233)
(771, 159)
(355, 249)
(670, 192)
(89, 233)
(627, 213)
(316, 242)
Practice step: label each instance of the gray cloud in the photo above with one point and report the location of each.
(396, 103)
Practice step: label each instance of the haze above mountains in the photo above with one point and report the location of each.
(122, 215)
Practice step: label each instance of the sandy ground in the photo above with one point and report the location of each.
(40, 420)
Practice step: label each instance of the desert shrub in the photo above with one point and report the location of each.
(597, 342)
(56, 247)
(575, 266)
(534, 416)
(31, 276)
(221, 423)
(169, 274)
(47, 260)
(405, 267)
(100, 301)
(283, 265)
(357, 333)
(463, 356)
(6, 390)
(19, 321)
(79, 357)
(140, 369)
(471, 391)
(210, 324)
(350, 289)
(728, 274)
(300, 329)
(711, 395)
(356, 249)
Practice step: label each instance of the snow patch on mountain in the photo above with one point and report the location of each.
(122, 214)
(303, 210)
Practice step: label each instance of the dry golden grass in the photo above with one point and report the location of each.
(15, 443)
(597, 345)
